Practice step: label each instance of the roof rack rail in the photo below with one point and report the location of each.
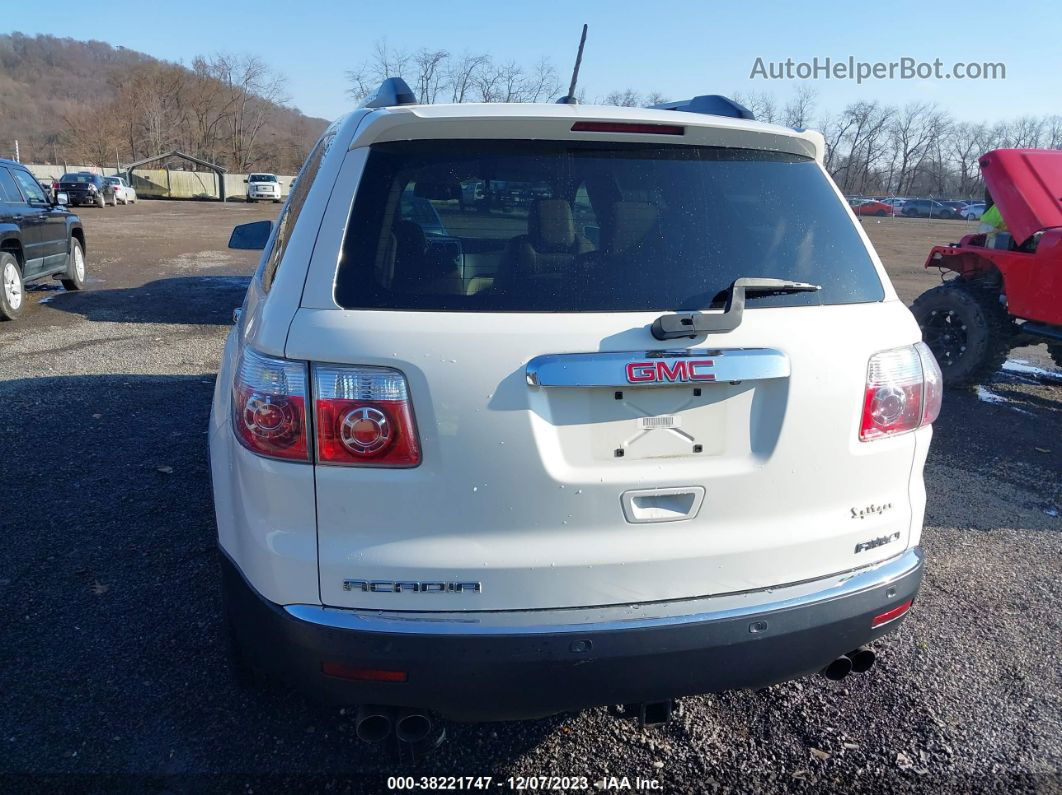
(392, 91)
(711, 104)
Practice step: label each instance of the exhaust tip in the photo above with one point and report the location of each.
(412, 726)
(862, 660)
(838, 669)
(372, 724)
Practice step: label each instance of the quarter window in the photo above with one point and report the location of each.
(286, 222)
(30, 189)
(8, 190)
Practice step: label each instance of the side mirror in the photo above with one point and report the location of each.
(62, 198)
(252, 236)
(245, 180)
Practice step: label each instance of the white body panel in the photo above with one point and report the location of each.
(518, 489)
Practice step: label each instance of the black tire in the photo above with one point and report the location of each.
(75, 276)
(12, 290)
(1056, 353)
(967, 329)
(101, 201)
(251, 201)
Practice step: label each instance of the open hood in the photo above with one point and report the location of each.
(1026, 185)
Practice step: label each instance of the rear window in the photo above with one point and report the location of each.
(539, 226)
(83, 179)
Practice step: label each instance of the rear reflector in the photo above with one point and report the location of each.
(344, 671)
(891, 615)
(628, 127)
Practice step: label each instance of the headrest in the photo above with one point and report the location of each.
(550, 225)
(630, 223)
(410, 237)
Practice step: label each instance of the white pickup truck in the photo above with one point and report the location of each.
(655, 427)
(263, 187)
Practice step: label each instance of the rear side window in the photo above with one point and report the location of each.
(8, 190)
(31, 189)
(540, 226)
(293, 208)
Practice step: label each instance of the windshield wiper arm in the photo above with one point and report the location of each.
(675, 326)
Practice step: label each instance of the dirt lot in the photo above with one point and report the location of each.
(112, 669)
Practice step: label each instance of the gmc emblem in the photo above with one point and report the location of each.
(675, 372)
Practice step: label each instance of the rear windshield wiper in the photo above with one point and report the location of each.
(669, 327)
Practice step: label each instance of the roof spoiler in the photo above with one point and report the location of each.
(392, 91)
(711, 104)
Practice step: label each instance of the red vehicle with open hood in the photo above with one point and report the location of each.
(1008, 288)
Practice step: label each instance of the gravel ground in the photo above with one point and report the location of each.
(112, 669)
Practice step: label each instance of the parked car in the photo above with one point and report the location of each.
(39, 238)
(973, 211)
(957, 206)
(123, 191)
(927, 208)
(895, 204)
(546, 474)
(263, 187)
(84, 187)
(871, 207)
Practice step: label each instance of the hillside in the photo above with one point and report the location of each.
(89, 102)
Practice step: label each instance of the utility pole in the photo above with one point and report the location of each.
(17, 160)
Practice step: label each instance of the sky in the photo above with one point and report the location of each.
(679, 49)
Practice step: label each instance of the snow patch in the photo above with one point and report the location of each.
(1024, 368)
(990, 397)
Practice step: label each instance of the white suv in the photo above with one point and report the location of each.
(651, 423)
(264, 187)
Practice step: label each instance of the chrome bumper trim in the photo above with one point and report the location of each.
(615, 617)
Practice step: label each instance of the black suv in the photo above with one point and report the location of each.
(84, 187)
(38, 238)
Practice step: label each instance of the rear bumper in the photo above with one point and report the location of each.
(523, 664)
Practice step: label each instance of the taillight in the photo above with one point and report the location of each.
(364, 417)
(269, 406)
(933, 395)
(903, 391)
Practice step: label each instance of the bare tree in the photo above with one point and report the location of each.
(628, 98)
(430, 70)
(250, 89)
(463, 75)
(798, 111)
(383, 63)
(913, 130)
(542, 84)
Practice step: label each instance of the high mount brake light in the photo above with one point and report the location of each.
(628, 127)
(269, 406)
(904, 389)
(364, 417)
